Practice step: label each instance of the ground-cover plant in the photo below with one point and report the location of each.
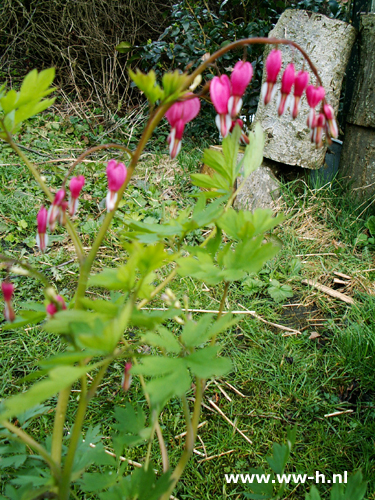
(98, 333)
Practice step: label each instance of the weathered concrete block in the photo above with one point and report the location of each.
(362, 110)
(328, 42)
(358, 159)
(260, 190)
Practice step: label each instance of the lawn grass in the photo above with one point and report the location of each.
(282, 379)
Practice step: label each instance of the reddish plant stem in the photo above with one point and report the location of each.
(92, 150)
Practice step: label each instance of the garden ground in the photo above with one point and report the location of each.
(280, 378)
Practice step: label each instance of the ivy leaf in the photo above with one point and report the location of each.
(279, 292)
(124, 47)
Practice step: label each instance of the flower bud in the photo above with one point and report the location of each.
(8, 288)
(53, 307)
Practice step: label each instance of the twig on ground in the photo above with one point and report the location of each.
(130, 462)
(222, 391)
(184, 433)
(337, 413)
(329, 291)
(234, 389)
(203, 445)
(276, 325)
(212, 311)
(229, 421)
(216, 456)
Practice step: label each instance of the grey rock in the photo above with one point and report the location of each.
(260, 190)
(328, 43)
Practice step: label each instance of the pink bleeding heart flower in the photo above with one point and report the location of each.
(220, 92)
(75, 186)
(116, 176)
(53, 308)
(331, 124)
(8, 289)
(54, 212)
(240, 78)
(127, 378)
(317, 130)
(300, 83)
(42, 236)
(244, 138)
(314, 95)
(287, 81)
(178, 115)
(273, 66)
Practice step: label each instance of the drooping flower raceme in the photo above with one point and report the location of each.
(273, 66)
(300, 83)
(314, 95)
(52, 308)
(317, 130)
(331, 125)
(8, 289)
(116, 176)
(287, 81)
(240, 78)
(220, 93)
(75, 186)
(55, 211)
(178, 115)
(42, 236)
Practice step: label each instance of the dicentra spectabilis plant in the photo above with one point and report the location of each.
(95, 332)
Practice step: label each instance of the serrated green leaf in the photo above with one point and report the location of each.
(33, 108)
(92, 482)
(147, 83)
(253, 156)
(173, 82)
(215, 160)
(26, 318)
(260, 490)
(214, 182)
(205, 364)
(279, 458)
(8, 102)
(279, 292)
(164, 339)
(157, 365)
(14, 461)
(174, 384)
(313, 494)
(67, 358)
(231, 146)
(356, 487)
(58, 378)
(196, 333)
(150, 319)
